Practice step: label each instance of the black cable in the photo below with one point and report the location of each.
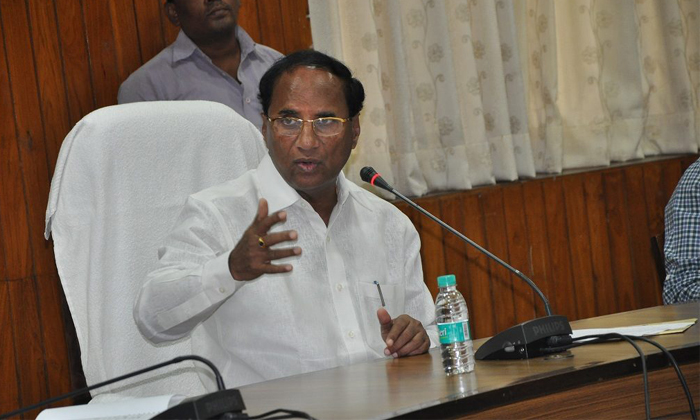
(219, 382)
(600, 338)
(681, 377)
(289, 414)
(594, 339)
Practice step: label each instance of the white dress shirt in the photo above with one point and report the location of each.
(320, 315)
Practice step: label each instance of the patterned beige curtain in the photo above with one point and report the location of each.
(469, 92)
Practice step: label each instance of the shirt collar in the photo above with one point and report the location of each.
(280, 195)
(245, 42)
(348, 188)
(274, 188)
(184, 47)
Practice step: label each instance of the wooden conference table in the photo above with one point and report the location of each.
(598, 381)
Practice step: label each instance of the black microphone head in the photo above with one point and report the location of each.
(367, 173)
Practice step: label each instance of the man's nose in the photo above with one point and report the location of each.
(307, 137)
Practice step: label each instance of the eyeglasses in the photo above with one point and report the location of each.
(323, 127)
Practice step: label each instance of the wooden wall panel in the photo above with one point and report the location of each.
(9, 397)
(296, 26)
(455, 249)
(31, 163)
(561, 289)
(496, 242)
(645, 277)
(248, 19)
(271, 26)
(540, 267)
(482, 317)
(432, 248)
(13, 217)
(49, 74)
(29, 345)
(603, 280)
(149, 27)
(518, 241)
(618, 231)
(101, 48)
(72, 34)
(126, 38)
(580, 248)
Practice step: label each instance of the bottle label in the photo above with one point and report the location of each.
(454, 332)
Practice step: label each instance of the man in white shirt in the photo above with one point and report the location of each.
(294, 290)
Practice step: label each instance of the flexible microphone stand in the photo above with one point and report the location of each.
(531, 338)
(227, 400)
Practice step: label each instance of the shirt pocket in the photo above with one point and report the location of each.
(370, 301)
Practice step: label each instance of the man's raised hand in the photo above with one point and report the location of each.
(252, 256)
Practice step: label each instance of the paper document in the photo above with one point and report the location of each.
(131, 409)
(670, 327)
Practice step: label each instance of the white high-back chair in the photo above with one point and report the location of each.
(122, 176)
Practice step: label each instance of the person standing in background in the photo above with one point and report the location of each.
(212, 59)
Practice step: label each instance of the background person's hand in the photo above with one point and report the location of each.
(404, 336)
(249, 260)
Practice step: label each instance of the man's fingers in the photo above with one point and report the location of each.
(413, 346)
(262, 226)
(398, 328)
(262, 210)
(385, 323)
(384, 318)
(279, 237)
(404, 336)
(276, 254)
(422, 348)
(274, 268)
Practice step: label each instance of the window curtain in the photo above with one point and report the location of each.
(463, 93)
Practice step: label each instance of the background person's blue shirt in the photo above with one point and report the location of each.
(682, 239)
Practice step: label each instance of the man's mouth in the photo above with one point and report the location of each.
(306, 165)
(218, 9)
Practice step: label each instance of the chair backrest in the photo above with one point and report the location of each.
(657, 250)
(122, 176)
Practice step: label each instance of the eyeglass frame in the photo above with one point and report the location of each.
(313, 127)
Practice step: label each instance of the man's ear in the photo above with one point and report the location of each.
(265, 123)
(355, 130)
(171, 13)
(266, 130)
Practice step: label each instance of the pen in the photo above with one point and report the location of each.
(381, 296)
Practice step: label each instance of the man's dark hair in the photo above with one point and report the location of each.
(354, 92)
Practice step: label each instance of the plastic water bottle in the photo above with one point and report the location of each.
(453, 324)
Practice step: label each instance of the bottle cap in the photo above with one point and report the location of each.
(447, 280)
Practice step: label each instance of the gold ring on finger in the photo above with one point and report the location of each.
(261, 242)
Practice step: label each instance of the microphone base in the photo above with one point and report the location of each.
(533, 338)
(226, 404)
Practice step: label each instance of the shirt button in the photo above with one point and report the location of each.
(247, 100)
(351, 334)
(328, 239)
(339, 287)
(222, 290)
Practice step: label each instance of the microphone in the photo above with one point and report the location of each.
(205, 406)
(533, 338)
